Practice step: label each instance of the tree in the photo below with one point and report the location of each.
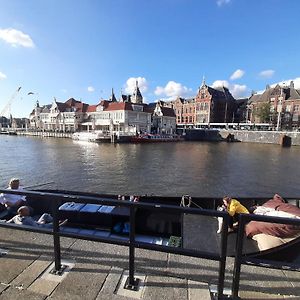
(263, 112)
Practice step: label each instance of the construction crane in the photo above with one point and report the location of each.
(5, 112)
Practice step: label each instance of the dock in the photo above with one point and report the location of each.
(97, 271)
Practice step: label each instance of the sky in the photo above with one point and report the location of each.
(84, 48)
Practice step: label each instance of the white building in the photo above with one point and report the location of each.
(129, 116)
(59, 116)
(163, 119)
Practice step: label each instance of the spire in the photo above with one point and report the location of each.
(203, 81)
(112, 97)
(137, 95)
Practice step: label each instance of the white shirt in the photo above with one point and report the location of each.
(12, 198)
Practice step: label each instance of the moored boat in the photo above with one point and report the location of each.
(156, 138)
(91, 136)
(163, 226)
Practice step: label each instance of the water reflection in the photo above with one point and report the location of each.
(207, 169)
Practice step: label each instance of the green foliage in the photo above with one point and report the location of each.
(263, 112)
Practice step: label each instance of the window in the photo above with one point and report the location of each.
(296, 107)
(288, 108)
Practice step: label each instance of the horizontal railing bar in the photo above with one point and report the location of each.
(270, 219)
(96, 200)
(270, 264)
(121, 242)
(175, 250)
(27, 228)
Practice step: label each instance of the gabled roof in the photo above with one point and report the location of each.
(168, 112)
(61, 106)
(46, 108)
(220, 93)
(290, 94)
(119, 106)
(92, 108)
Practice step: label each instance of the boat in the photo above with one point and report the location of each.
(91, 136)
(160, 226)
(156, 138)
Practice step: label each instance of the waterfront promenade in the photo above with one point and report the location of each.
(96, 270)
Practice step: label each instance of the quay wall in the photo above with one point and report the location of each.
(247, 136)
(45, 134)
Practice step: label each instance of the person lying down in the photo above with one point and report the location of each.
(23, 218)
(269, 235)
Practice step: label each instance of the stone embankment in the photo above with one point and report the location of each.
(284, 138)
(46, 134)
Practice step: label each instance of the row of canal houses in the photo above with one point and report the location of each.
(130, 114)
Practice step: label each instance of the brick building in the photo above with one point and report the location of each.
(277, 105)
(211, 105)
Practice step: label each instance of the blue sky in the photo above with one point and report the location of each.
(84, 48)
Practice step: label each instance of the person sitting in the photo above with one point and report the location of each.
(13, 201)
(23, 218)
(234, 208)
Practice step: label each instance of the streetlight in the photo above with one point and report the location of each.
(279, 110)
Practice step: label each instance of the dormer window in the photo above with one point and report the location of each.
(137, 107)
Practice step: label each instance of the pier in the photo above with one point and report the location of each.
(54, 134)
(39, 263)
(96, 269)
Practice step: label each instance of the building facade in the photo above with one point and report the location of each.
(279, 106)
(210, 105)
(127, 116)
(163, 119)
(58, 116)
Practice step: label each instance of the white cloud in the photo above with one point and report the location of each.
(266, 73)
(172, 89)
(2, 76)
(131, 84)
(237, 74)
(237, 90)
(223, 2)
(287, 83)
(16, 38)
(220, 83)
(91, 89)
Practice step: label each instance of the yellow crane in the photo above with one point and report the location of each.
(6, 111)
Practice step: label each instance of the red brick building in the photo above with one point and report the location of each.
(279, 99)
(211, 105)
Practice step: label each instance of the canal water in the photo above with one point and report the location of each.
(195, 168)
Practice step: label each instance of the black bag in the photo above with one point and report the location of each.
(2, 207)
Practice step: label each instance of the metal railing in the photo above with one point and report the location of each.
(260, 262)
(57, 199)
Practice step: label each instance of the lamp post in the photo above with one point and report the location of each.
(279, 110)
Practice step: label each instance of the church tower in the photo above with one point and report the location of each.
(137, 96)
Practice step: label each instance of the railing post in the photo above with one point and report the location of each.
(131, 282)
(222, 262)
(238, 258)
(58, 268)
